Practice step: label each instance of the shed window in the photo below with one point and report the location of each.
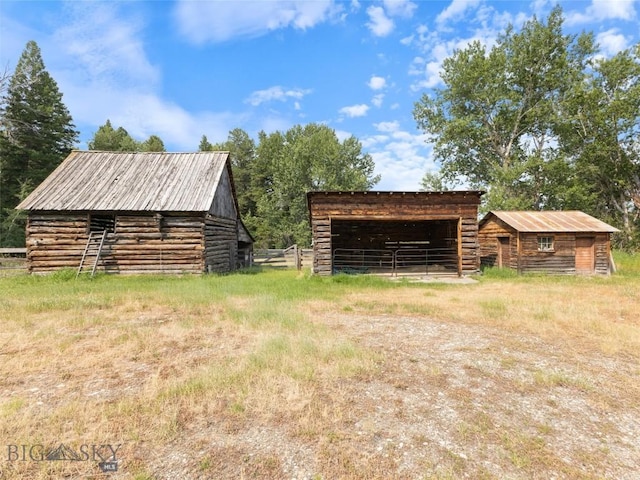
(545, 244)
(99, 223)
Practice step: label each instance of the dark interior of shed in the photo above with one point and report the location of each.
(378, 246)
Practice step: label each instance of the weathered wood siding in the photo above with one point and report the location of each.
(55, 241)
(603, 253)
(562, 260)
(393, 206)
(223, 201)
(221, 240)
(151, 243)
(525, 256)
(321, 231)
(559, 261)
(488, 238)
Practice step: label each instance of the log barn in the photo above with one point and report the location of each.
(396, 233)
(570, 242)
(151, 212)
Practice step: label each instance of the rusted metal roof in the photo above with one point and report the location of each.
(142, 181)
(569, 221)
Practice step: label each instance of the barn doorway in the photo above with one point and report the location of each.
(585, 255)
(396, 247)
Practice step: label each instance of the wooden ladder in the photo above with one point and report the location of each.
(93, 247)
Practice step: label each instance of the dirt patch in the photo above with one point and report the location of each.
(446, 401)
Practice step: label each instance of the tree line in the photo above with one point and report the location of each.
(541, 120)
(271, 176)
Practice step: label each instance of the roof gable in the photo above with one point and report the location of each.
(550, 221)
(140, 181)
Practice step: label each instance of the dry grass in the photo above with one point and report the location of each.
(595, 313)
(280, 375)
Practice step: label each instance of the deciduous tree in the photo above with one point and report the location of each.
(288, 165)
(494, 124)
(601, 131)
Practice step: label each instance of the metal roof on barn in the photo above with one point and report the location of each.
(140, 181)
(551, 221)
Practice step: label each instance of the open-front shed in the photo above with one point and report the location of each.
(417, 233)
(152, 212)
(552, 242)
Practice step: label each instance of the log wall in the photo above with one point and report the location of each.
(562, 260)
(321, 233)
(221, 240)
(488, 234)
(525, 256)
(462, 207)
(55, 241)
(150, 243)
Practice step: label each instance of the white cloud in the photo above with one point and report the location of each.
(101, 66)
(456, 10)
(388, 127)
(343, 135)
(401, 158)
(377, 100)
(218, 21)
(612, 42)
(144, 114)
(379, 24)
(372, 140)
(603, 10)
(400, 8)
(406, 41)
(436, 49)
(149, 115)
(539, 7)
(275, 93)
(355, 110)
(274, 123)
(377, 83)
(105, 47)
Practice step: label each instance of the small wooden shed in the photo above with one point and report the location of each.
(551, 242)
(413, 233)
(151, 212)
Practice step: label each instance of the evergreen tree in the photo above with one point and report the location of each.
(108, 139)
(205, 146)
(37, 133)
(242, 149)
(153, 144)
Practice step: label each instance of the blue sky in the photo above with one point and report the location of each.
(181, 69)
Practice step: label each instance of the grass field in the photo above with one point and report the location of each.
(279, 374)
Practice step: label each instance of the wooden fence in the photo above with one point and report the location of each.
(291, 257)
(13, 258)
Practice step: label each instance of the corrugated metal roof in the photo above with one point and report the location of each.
(142, 181)
(569, 221)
